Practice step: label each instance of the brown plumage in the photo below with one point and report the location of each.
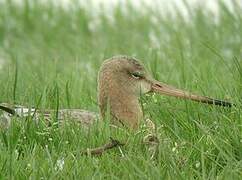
(121, 81)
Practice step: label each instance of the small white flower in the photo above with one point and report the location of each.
(28, 166)
(173, 149)
(197, 165)
(60, 164)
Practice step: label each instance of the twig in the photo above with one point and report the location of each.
(100, 150)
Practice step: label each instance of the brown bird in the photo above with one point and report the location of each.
(121, 81)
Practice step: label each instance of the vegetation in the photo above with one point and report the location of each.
(50, 56)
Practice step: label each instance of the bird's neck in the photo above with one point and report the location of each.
(124, 107)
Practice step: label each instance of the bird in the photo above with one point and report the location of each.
(121, 81)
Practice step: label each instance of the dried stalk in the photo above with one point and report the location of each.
(100, 150)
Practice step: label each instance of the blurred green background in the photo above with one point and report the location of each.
(54, 53)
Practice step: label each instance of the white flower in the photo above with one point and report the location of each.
(173, 149)
(60, 164)
(197, 165)
(28, 166)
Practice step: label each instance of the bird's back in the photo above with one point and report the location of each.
(8, 111)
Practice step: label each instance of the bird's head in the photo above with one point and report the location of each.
(123, 79)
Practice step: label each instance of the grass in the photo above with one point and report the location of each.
(51, 59)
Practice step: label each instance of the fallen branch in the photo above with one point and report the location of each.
(100, 150)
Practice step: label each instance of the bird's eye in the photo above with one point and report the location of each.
(136, 75)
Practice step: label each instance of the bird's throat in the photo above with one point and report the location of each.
(125, 109)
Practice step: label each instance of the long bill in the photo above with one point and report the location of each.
(164, 89)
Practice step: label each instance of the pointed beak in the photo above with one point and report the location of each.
(164, 89)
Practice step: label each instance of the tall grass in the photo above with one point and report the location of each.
(51, 59)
